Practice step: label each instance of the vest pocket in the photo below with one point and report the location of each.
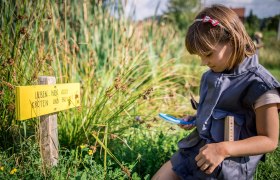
(218, 124)
(234, 168)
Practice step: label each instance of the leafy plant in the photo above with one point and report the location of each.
(128, 71)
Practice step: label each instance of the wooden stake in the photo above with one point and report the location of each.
(229, 128)
(48, 132)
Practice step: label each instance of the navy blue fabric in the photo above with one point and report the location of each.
(221, 94)
(184, 164)
(234, 92)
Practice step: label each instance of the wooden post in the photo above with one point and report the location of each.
(48, 132)
(229, 128)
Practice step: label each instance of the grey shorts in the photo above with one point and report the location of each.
(240, 168)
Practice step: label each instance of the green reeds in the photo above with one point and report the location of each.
(126, 69)
(22, 58)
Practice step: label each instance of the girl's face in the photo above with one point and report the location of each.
(218, 59)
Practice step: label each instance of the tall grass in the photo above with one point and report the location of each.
(128, 71)
(269, 54)
(22, 59)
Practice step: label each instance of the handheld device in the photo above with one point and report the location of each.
(175, 120)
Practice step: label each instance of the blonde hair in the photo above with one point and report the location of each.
(202, 37)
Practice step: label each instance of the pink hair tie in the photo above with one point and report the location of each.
(214, 22)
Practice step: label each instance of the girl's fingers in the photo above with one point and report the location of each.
(200, 162)
(188, 118)
(210, 170)
(187, 127)
(204, 167)
(202, 148)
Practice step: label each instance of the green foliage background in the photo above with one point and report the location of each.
(128, 71)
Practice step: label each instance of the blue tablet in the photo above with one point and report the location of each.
(175, 120)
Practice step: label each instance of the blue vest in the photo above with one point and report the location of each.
(221, 94)
(232, 93)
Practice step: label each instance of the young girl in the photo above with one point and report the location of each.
(236, 85)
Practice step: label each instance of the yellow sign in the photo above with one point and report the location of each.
(34, 101)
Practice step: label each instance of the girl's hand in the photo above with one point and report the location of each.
(188, 126)
(210, 156)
